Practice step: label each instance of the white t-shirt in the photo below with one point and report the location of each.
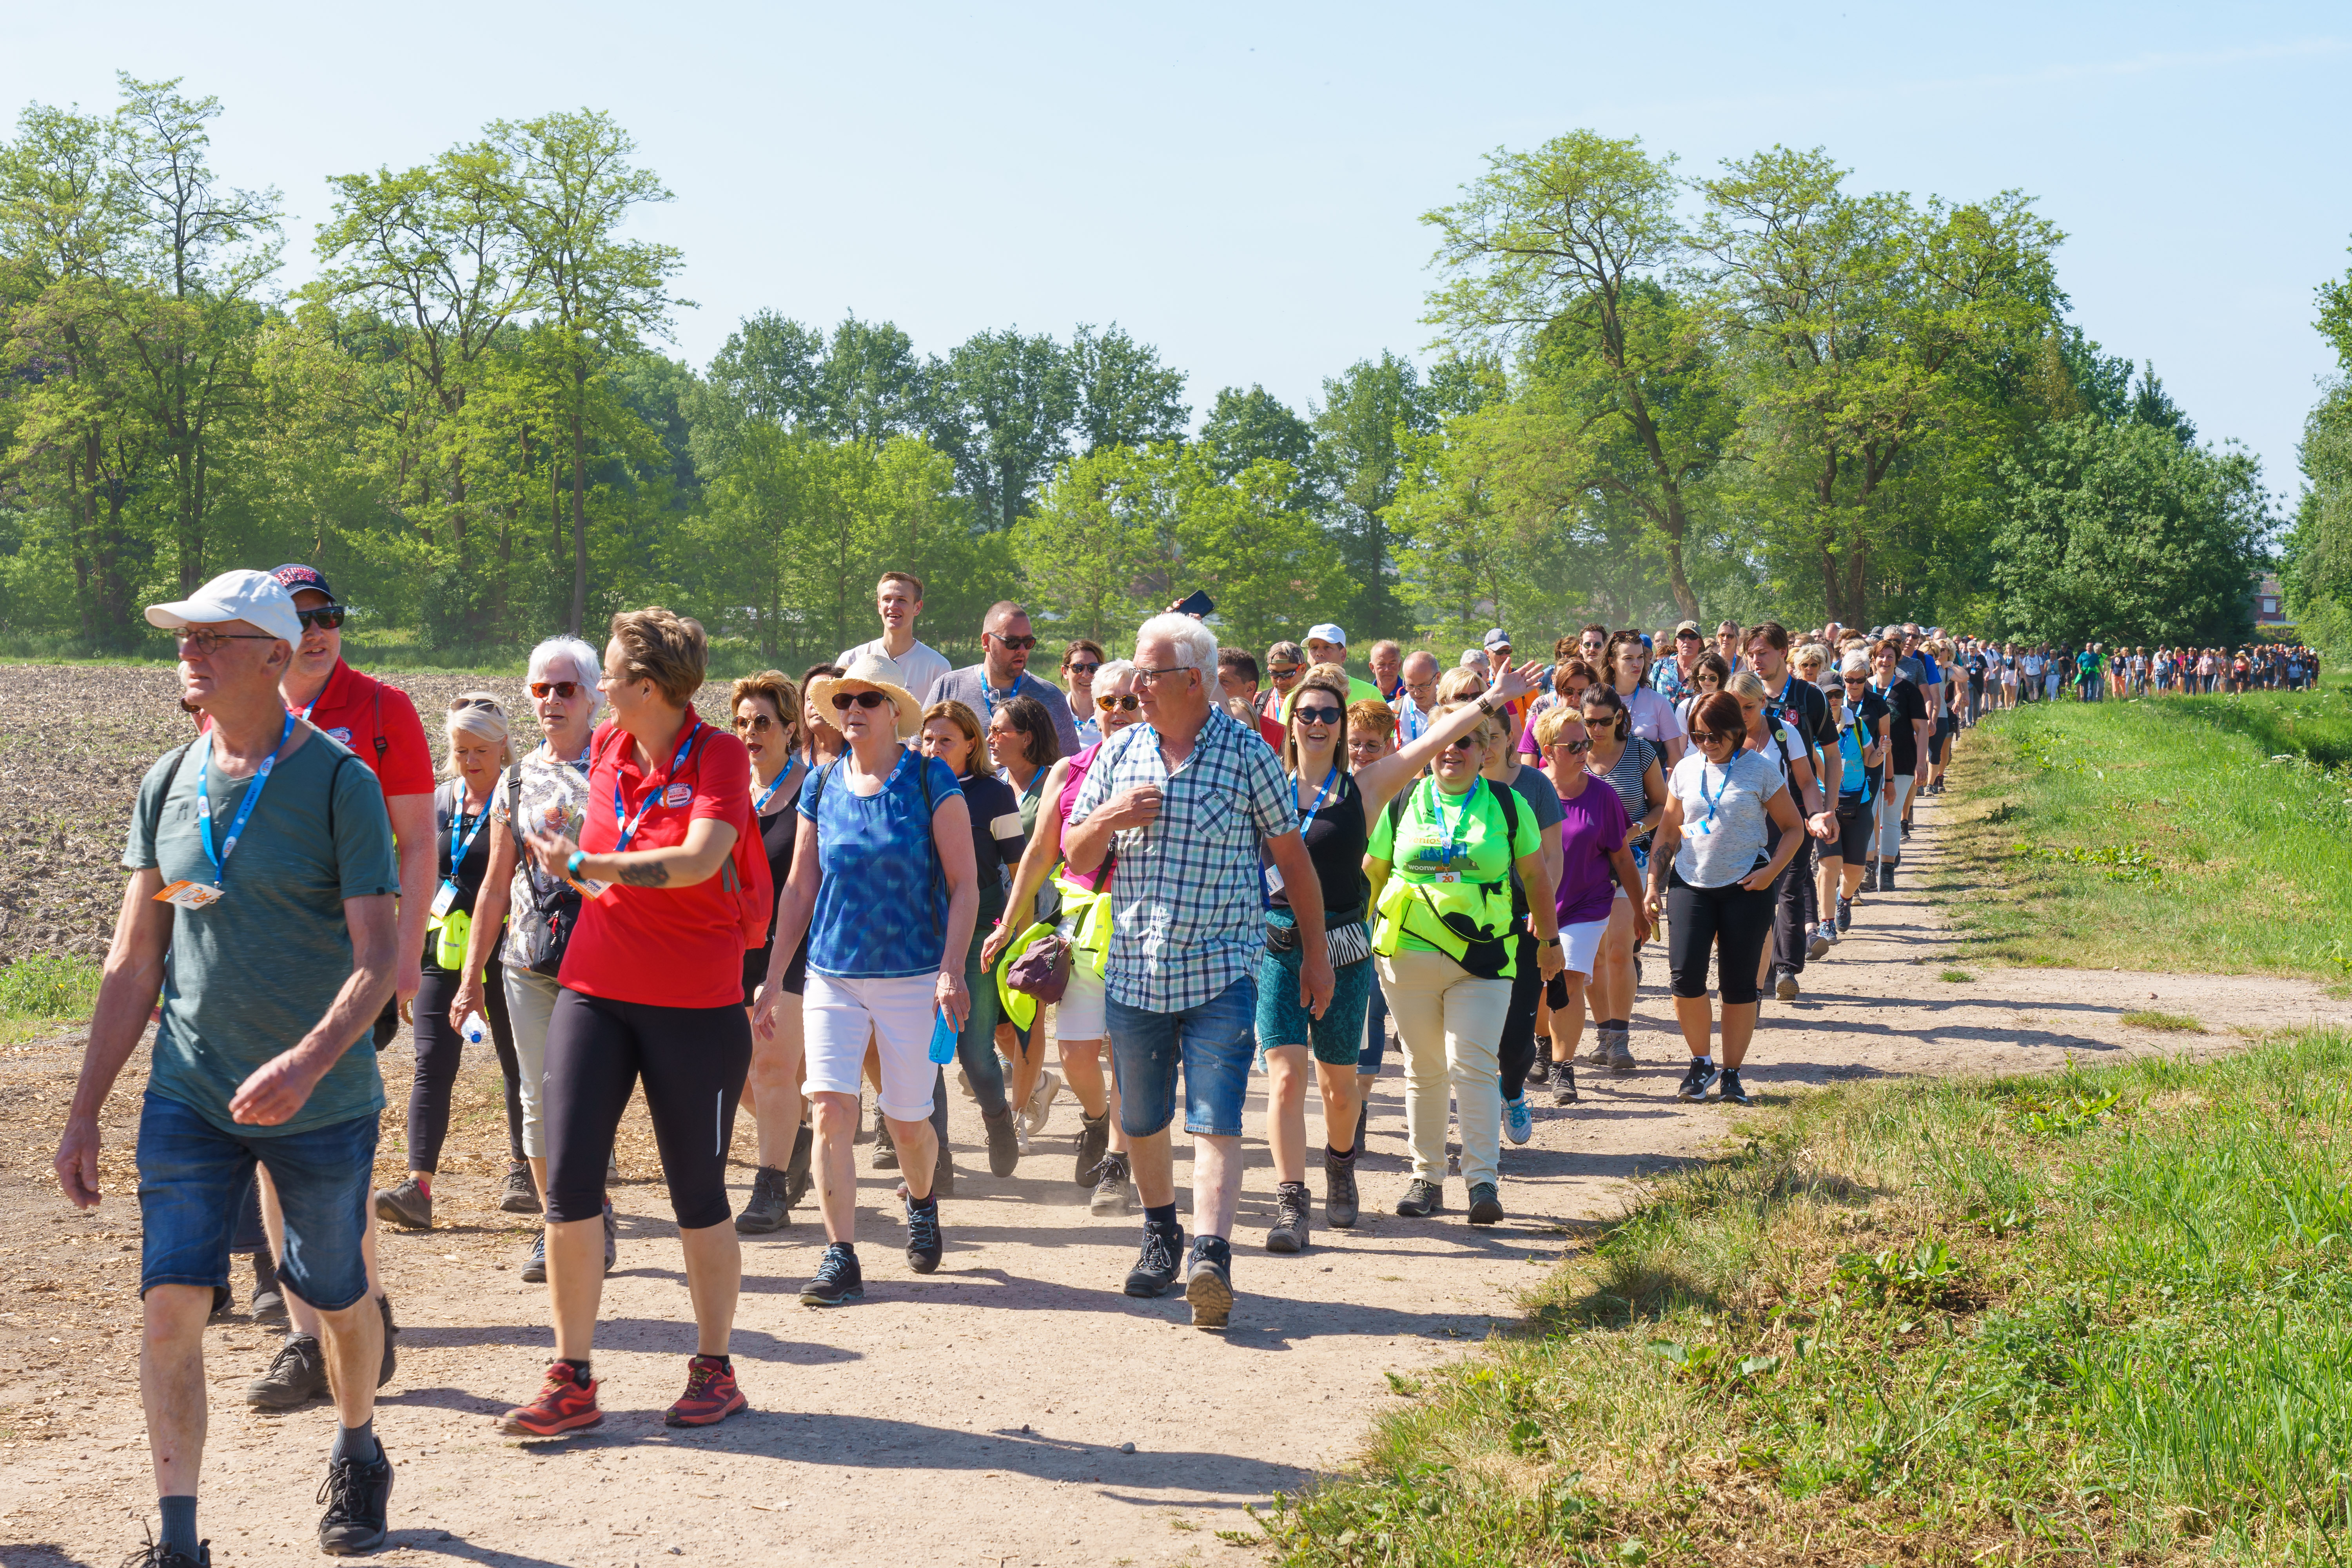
(920, 663)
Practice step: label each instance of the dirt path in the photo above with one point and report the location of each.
(976, 1416)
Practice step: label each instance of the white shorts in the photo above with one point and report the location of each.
(1580, 944)
(838, 1016)
(1078, 1015)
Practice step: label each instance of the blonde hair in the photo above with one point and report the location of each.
(1810, 654)
(1748, 683)
(1460, 679)
(1553, 720)
(469, 714)
(665, 647)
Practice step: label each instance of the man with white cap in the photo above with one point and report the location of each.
(262, 886)
(1327, 643)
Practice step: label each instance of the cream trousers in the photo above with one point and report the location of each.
(1448, 1023)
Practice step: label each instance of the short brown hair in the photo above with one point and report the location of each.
(776, 689)
(908, 578)
(965, 720)
(1078, 646)
(1718, 713)
(1568, 669)
(665, 647)
(1774, 633)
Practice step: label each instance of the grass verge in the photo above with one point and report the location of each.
(2096, 1317)
(43, 987)
(2209, 834)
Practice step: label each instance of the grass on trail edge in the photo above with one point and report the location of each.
(2190, 835)
(2100, 1317)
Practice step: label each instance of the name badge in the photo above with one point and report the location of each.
(187, 895)
(340, 734)
(1273, 879)
(1447, 877)
(677, 795)
(586, 887)
(444, 896)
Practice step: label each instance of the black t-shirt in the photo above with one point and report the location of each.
(996, 836)
(1905, 707)
(1336, 840)
(452, 823)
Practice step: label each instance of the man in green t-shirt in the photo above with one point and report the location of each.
(260, 908)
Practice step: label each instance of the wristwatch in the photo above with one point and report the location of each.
(1548, 941)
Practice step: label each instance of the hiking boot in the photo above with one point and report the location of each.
(1004, 1143)
(1093, 1141)
(269, 1303)
(1819, 946)
(519, 1196)
(406, 1204)
(1886, 873)
(1621, 1053)
(155, 1554)
(764, 1210)
(1486, 1204)
(563, 1405)
(1844, 916)
(1733, 1090)
(924, 1244)
(1519, 1122)
(1563, 1090)
(1869, 876)
(1421, 1199)
(710, 1394)
(296, 1374)
(1155, 1263)
(1695, 1083)
(612, 1237)
(534, 1270)
(1041, 1101)
(1907, 830)
(1112, 1188)
(356, 1492)
(796, 1169)
(886, 1148)
(1209, 1282)
(391, 1358)
(1363, 1120)
(1540, 1070)
(1288, 1233)
(838, 1280)
(1785, 988)
(1340, 1200)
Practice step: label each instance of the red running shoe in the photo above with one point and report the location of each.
(562, 1405)
(710, 1394)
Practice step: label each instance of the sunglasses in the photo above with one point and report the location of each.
(1703, 736)
(1316, 715)
(458, 704)
(867, 699)
(563, 690)
(204, 642)
(326, 618)
(1085, 669)
(1124, 703)
(1018, 645)
(1573, 748)
(1462, 743)
(757, 723)
(1283, 671)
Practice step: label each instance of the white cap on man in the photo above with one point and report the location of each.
(1326, 632)
(239, 595)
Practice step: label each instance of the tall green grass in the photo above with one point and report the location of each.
(45, 985)
(2104, 1317)
(2204, 833)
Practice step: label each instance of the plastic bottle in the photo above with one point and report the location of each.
(475, 1030)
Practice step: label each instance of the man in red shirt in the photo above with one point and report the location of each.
(379, 724)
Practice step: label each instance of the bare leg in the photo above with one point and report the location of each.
(1338, 1083)
(1568, 1023)
(353, 1342)
(1738, 1028)
(1082, 1070)
(575, 1283)
(1286, 1111)
(835, 1165)
(171, 1383)
(919, 1153)
(714, 1277)
(772, 1088)
(1152, 1162)
(1697, 1017)
(1216, 1184)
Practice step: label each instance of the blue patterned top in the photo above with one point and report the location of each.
(882, 908)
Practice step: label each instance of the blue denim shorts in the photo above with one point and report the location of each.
(1213, 1043)
(192, 1175)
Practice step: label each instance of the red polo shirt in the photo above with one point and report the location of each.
(379, 723)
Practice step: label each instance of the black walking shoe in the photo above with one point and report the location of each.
(1209, 1283)
(1421, 1200)
(796, 1169)
(1003, 1144)
(1846, 915)
(1819, 947)
(1886, 873)
(886, 1148)
(1094, 1141)
(1341, 1204)
(520, 1196)
(357, 1493)
(838, 1280)
(1540, 1070)
(269, 1303)
(943, 1170)
(1785, 988)
(923, 1241)
(296, 1374)
(1563, 1088)
(1869, 876)
(1732, 1089)
(1155, 1264)
(1696, 1082)
(1486, 1204)
(765, 1210)
(1289, 1232)
(1113, 1189)
(155, 1554)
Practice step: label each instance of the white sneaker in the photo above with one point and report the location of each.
(1041, 1101)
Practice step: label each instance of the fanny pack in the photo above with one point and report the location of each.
(449, 941)
(1346, 938)
(1042, 969)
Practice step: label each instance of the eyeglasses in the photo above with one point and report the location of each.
(327, 618)
(1124, 703)
(1155, 676)
(1085, 669)
(867, 699)
(1573, 748)
(757, 723)
(1854, 675)
(1703, 736)
(1462, 743)
(1017, 644)
(204, 642)
(562, 691)
(1316, 715)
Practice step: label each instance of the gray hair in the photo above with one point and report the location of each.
(1114, 671)
(1195, 644)
(587, 668)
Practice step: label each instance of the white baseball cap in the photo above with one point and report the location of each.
(1326, 632)
(240, 595)
(1497, 638)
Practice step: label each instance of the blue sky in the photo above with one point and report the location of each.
(1242, 184)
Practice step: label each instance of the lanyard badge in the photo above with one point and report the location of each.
(190, 895)
(629, 825)
(447, 894)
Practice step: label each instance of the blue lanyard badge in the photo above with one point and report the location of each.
(1272, 872)
(769, 793)
(445, 897)
(244, 810)
(621, 819)
(1707, 824)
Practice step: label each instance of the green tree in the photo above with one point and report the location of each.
(1125, 397)
(1000, 406)
(1367, 413)
(1099, 526)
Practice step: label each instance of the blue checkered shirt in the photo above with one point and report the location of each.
(1187, 915)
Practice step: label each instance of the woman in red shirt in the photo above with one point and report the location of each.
(652, 991)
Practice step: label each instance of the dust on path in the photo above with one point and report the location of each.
(975, 1417)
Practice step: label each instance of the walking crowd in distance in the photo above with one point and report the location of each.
(1169, 871)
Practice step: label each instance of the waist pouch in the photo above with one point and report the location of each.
(1346, 938)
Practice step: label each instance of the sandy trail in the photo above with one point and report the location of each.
(975, 1417)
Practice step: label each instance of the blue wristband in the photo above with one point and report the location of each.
(573, 861)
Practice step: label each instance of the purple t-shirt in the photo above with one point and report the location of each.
(1592, 828)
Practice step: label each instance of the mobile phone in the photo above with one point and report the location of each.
(1198, 604)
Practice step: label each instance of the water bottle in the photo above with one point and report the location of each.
(475, 1031)
(943, 1039)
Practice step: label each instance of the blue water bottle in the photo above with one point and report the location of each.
(943, 1039)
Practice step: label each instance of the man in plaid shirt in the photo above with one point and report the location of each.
(1188, 797)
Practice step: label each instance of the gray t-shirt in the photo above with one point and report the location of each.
(920, 663)
(247, 977)
(969, 687)
(1724, 820)
(1537, 791)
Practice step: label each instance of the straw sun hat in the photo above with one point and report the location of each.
(870, 672)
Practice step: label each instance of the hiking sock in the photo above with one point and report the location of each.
(578, 1369)
(179, 1524)
(357, 1443)
(1160, 1217)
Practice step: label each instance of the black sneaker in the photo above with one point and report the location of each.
(796, 1169)
(1846, 915)
(1886, 873)
(534, 1269)
(1003, 1144)
(764, 1210)
(1341, 1203)
(155, 1554)
(520, 1196)
(1113, 1187)
(1869, 876)
(1289, 1232)
(1155, 1264)
(1732, 1089)
(1540, 1070)
(1421, 1200)
(1563, 1088)
(1486, 1204)
(1696, 1082)
(1819, 947)
(269, 1303)
(923, 1243)
(1907, 830)
(1785, 988)
(296, 1374)
(1094, 1142)
(1209, 1282)
(391, 1358)
(356, 1494)
(407, 1204)
(838, 1280)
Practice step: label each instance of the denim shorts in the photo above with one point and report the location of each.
(192, 1175)
(1213, 1043)
(1337, 1036)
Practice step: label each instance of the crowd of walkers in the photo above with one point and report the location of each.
(1168, 873)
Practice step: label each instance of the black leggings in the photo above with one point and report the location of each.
(1515, 1053)
(438, 1048)
(1730, 920)
(692, 1060)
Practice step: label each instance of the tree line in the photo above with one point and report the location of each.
(1757, 392)
(2316, 565)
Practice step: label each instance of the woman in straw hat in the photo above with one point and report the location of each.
(883, 882)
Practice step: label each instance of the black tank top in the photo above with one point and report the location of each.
(1336, 841)
(780, 826)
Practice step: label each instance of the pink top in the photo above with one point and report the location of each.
(1079, 766)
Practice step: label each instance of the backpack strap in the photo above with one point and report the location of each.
(382, 744)
(334, 778)
(155, 822)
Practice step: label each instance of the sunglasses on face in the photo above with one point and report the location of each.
(1573, 748)
(1124, 703)
(1706, 737)
(1017, 644)
(757, 723)
(565, 690)
(326, 618)
(1316, 715)
(1463, 743)
(1085, 669)
(1281, 672)
(867, 699)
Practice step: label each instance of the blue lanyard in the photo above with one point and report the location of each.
(769, 793)
(244, 810)
(628, 824)
(1461, 818)
(1707, 823)
(1307, 821)
(458, 850)
(987, 697)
